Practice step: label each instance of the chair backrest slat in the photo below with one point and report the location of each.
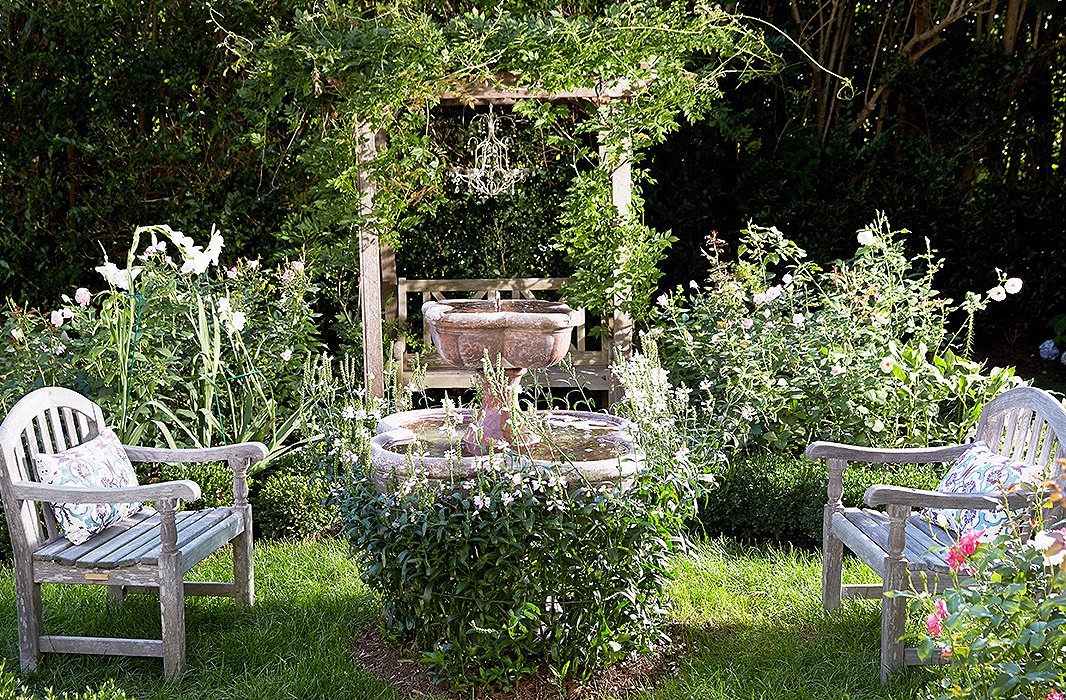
(1025, 423)
(1037, 434)
(35, 425)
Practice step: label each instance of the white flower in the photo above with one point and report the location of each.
(682, 455)
(119, 279)
(482, 502)
(348, 413)
(887, 364)
(252, 264)
(865, 237)
(59, 349)
(237, 321)
(787, 279)
(82, 296)
(663, 300)
(997, 293)
(1052, 543)
(298, 265)
(694, 285)
(748, 413)
(773, 292)
(506, 499)
(57, 318)
(16, 333)
(1013, 285)
(797, 320)
(286, 354)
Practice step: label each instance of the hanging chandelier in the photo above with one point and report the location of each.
(492, 174)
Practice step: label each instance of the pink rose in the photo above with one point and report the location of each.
(57, 318)
(298, 265)
(932, 625)
(82, 296)
(941, 608)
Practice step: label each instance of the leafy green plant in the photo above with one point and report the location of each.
(177, 351)
(1003, 625)
(784, 352)
(494, 576)
(292, 503)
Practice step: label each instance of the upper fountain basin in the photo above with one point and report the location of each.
(524, 333)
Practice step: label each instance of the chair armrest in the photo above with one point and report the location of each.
(32, 491)
(252, 451)
(883, 494)
(873, 455)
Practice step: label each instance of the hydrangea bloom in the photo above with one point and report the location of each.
(1048, 351)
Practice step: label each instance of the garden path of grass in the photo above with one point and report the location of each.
(751, 618)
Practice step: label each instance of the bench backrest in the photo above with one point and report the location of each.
(45, 421)
(1026, 424)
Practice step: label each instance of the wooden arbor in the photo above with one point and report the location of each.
(377, 264)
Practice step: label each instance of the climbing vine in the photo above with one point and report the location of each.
(335, 68)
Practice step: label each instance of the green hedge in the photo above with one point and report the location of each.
(777, 496)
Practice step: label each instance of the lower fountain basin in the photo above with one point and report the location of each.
(592, 448)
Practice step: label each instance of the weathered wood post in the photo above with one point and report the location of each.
(369, 267)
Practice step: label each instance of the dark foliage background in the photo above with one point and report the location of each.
(119, 114)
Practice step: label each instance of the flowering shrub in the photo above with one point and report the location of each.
(783, 352)
(1003, 627)
(176, 348)
(494, 577)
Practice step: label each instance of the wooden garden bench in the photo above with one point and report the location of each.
(906, 551)
(147, 552)
(589, 362)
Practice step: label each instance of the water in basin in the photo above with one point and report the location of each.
(565, 438)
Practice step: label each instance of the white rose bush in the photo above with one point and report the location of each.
(785, 351)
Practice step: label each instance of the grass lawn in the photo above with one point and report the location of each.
(751, 617)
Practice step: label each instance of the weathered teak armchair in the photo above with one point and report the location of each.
(148, 552)
(1025, 424)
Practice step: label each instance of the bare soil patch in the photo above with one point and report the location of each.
(400, 668)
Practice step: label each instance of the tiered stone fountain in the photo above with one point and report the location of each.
(516, 336)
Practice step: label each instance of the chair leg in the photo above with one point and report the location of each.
(244, 566)
(116, 596)
(832, 572)
(30, 620)
(832, 563)
(893, 621)
(172, 608)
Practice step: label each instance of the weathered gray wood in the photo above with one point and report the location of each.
(883, 494)
(254, 451)
(113, 646)
(369, 266)
(870, 455)
(215, 589)
(861, 590)
(51, 572)
(1024, 423)
(894, 608)
(911, 658)
(33, 491)
(146, 551)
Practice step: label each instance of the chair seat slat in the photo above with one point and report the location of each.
(135, 542)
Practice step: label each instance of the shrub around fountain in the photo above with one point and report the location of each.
(492, 579)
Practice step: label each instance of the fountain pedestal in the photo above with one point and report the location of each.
(492, 422)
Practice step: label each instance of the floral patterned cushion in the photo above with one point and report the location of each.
(97, 463)
(979, 470)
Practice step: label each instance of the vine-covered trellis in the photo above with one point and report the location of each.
(366, 84)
